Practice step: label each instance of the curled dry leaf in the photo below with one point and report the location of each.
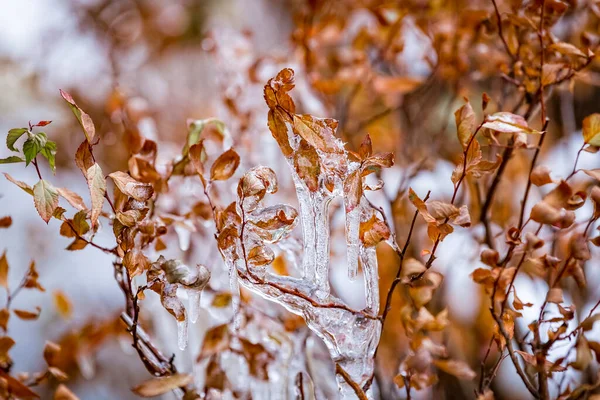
(84, 119)
(540, 175)
(131, 187)
(224, 166)
(28, 315)
(465, 123)
(506, 122)
(157, 386)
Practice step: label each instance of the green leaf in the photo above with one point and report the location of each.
(49, 151)
(11, 160)
(97, 185)
(84, 119)
(13, 136)
(33, 145)
(45, 197)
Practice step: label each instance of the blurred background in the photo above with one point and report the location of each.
(397, 71)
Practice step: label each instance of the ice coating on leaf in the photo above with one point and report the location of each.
(182, 334)
(321, 171)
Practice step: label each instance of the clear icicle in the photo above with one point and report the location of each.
(182, 334)
(322, 246)
(234, 286)
(194, 304)
(307, 214)
(353, 240)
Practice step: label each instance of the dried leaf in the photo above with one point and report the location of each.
(465, 123)
(457, 368)
(224, 166)
(540, 175)
(62, 304)
(318, 132)
(72, 198)
(132, 188)
(84, 119)
(28, 315)
(20, 184)
(157, 386)
(84, 158)
(5, 222)
(97, 185)
(591, 130)
(4, 271)
(508, 123)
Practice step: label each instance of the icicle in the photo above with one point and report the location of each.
(194, 304)
(368, 257)
(182, 334)
(322, 246)
(352, 239)
(184, 235)
(307, 214)
(235, 294)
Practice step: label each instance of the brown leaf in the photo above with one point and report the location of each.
(540, 175)
(216, 340)
(17, 388)
(5, 222)
(457, 368)
(366, 147)
(63, 393)
(307, 165)
(132, 188)
(84, 158)
(62, 304)
(97, 185)
(396, 84)
(72, 198)
(20, 184)
(197, 155)
(591, 130)
(353, 190)
(224, 166)
(4, 316)
(28, 315)
(52, 353)
(373, 231)
(157, 386)
(465, 123)
(84, 119)
(318, 132)
(4, 271)
(507, 123)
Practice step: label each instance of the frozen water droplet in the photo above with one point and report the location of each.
(184, 235)
(182, 334)
(194, 304)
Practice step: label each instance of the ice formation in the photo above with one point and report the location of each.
(322, 170)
